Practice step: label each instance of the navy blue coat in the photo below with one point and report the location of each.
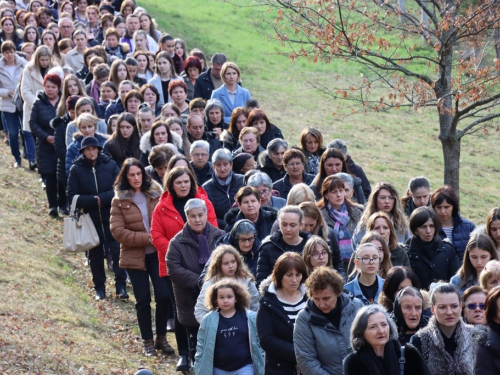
(59, 124)
(115, 107)
(462, 228)
(222, 197)
(283, 186)
(73, 151)
(42, 114)
(204, 86)
(81, 181)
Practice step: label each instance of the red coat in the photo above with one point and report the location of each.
(167, 222)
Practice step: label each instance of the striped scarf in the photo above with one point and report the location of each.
(344, 238)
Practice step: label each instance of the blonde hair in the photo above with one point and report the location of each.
(87, 117)
(229, 64)
(386, 264)
(309, 209)
(214, 270)
(490, 271)
(300, 193)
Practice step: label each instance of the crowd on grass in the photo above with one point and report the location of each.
(265, 255)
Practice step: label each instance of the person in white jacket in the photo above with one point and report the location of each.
(226, 262)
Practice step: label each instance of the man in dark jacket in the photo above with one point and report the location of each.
(354, 169)
(224, 184)
(288, 238)
(294, 164)
(249, 208)
(200, 151)
(196, 132)
(92, 177)
(210, 80)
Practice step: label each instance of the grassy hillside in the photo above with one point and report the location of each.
(392, 146)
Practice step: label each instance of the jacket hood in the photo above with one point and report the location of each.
(264, 160)
(145, 143)
(228, 137)
(154, 191)
(61, 120)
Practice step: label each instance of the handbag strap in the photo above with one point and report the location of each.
(402, 361)
(73, 204)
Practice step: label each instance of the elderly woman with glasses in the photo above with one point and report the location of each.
(200, 153)
(223, 185)
(293, 163)
(264, 184)
(473, 300)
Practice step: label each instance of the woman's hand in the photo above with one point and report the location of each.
(50, 139)
(217, 132)
(98, 200)
(11, 94)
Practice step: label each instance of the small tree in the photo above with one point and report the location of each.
(384, 39)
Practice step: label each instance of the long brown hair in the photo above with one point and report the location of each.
(215, 268)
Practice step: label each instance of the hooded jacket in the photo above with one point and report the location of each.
(271, 133)
(166, 222)
(73, 152)
(127, 225)
(271, 249)
(267, 217)
(145, 145)
(275, 331)
(221, 196)
(42, 113)
(320, 347)
(266, 166)
(229, 141)
(184, 269)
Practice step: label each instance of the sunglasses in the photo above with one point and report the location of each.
(474, 306)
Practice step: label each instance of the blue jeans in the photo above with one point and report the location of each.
(245, 370)
(12, 122)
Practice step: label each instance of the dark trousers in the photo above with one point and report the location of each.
(13, 123)
(96, 262)
(171, 298)
(186, 337)
(142, 293)
(56, 193)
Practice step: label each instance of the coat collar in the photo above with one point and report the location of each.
(154, 192)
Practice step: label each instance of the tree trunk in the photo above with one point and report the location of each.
(451, 156)
(402, 8)
(497, 42)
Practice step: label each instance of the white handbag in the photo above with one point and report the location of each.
(79, 231)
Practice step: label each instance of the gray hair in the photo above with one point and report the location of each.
(195, 203)
(340, 145)
(68, 70)
(214, 103)
(222, 154)
(218, 59)
(346, 178)
(260, 178)
(360, 324)
(290, 210)
(61, 20)
(200, 143)
(275, 144)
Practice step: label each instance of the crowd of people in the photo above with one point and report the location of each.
(265, 255)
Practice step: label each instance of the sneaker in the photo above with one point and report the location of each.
(17, 165)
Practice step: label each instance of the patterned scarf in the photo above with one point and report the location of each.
(341, 219)
(94, 91)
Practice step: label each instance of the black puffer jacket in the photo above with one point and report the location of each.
(270, 134)
(488, 351)
(267, 217)
(284, 186)
(442, 266)
(359, 172)
(270, 250)
(266, 166)
(81, 181)
(204, 86)
(222, 197)
(42, 114)
(59, 124)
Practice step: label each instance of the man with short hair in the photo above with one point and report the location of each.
(66, 28)
(74, 58)
(200, 151)
(211, 79)
(196, 132)
(354, 169)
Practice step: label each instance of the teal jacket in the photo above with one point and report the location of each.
(204, 359)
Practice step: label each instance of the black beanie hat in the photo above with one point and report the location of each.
(239, 161)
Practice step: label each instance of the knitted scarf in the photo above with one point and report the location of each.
(389, 365)
(202, 239)
(341, 219)
(224, 183)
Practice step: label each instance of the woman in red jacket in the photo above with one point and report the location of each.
(169, 219)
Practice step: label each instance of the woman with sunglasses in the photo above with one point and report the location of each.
(473, 300)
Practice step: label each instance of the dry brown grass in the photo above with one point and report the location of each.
(50, 323)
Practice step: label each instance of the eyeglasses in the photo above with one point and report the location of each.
(200, 156)
(474, 306)
(373, 260)
(293, 165)
(323, 254)
(245, 240)
(265, 191)
(389, 198)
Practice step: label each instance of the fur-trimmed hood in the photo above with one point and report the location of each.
(154, 191)
(145, 144)
(264, 160)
